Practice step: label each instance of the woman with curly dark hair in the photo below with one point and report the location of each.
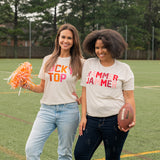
(107, 84)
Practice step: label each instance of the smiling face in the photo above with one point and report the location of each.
(101, 51)
(66, 40)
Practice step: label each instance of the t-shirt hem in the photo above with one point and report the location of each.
(103, 116)
(41, 102)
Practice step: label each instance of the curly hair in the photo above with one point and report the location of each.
(111, 39)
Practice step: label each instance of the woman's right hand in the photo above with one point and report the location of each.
(24, 84)
(82, 125)
(33, 87)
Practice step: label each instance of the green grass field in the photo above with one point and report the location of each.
(17, 113)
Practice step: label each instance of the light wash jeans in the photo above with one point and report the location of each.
(64, 117)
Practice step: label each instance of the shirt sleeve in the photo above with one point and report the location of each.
(41, 74)
(84, 74)
(128, 83)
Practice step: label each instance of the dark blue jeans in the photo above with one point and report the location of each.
(98, 130)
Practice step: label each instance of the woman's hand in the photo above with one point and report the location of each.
(24, 84)
(33, 87)
(129, 127)
(79, 100)
(129, 98)
(82, 125)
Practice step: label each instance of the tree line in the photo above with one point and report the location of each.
(134, 19)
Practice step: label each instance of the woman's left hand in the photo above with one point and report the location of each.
(129, 127)
(129, 98)
(79, 100)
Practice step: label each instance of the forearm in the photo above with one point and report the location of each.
(129, 98)
(84, 106)
(83, 122)
(35, 88)
(84, 111)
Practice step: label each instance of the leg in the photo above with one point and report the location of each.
(42, 128)
(113, 138)
(89, 141)
(67, 123)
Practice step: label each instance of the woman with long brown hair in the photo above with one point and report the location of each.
(59, 107)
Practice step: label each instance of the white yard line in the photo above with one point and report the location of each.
(149, 87)
(5, 72)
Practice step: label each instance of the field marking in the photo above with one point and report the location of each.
(5, 72)
(15, 92)
(13, 71)
(146, 72)
(139, 154)
(17, 119)
(136, 154)
(149, 87)
(11, 153)
(145, 87)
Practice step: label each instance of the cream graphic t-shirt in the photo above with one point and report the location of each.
(104, 86)
(59, 82)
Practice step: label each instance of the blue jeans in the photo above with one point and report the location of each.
(64, 117)
(98, 130)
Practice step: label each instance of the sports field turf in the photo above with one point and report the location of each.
(17, 113)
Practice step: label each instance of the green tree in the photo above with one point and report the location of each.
(81, 13)
(6, 19)
(10, 18)
(138, 17)
(44, 21)
(122, 16)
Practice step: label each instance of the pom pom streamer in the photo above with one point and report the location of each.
(21, 75)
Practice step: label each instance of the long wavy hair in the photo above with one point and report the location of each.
(75, 52)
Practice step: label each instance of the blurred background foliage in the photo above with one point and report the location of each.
(134, 19)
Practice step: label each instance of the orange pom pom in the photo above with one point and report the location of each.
(21, 74)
